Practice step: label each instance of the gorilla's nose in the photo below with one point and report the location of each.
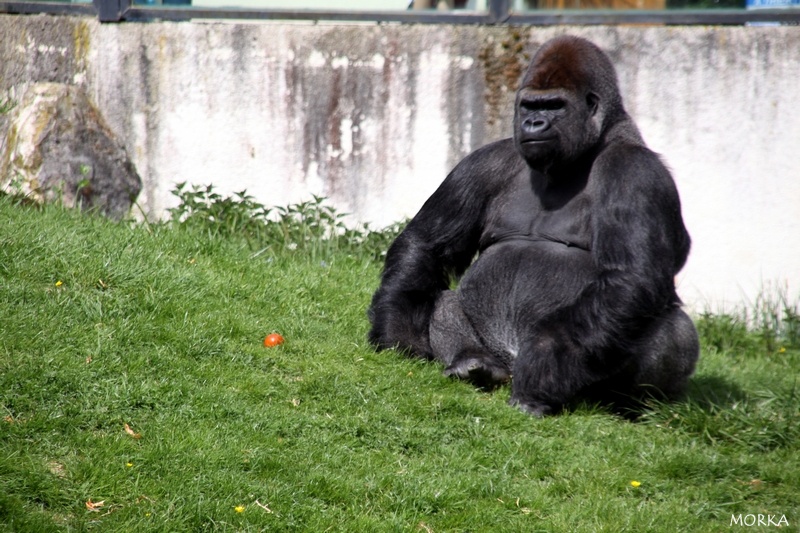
(536, 126)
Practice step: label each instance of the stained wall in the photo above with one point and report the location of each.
(373, 116)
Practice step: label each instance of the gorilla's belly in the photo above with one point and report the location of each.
(516, 283)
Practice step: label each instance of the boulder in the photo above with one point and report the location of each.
(55, 146)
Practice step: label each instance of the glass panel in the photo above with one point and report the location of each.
(62, 1)
(354, 5)
(338, 5)
(528, 5)
(473, 5)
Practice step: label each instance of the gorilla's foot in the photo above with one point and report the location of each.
(481, 370)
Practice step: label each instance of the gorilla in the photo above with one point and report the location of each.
(549, 258)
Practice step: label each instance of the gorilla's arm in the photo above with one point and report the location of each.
(638, 244)
(439, 242)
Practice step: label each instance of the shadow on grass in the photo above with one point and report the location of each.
(713, 392)
(719, 411)
(704, 394)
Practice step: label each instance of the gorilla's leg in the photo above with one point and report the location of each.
(548, 374)
(455, 343)
(660, 364)
(666, 357)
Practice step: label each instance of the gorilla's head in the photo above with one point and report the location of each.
(567, 98)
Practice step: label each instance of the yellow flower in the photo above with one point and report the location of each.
(781, 350)
(635, 484)
(129, 465)
(59, 283)
(239, 508)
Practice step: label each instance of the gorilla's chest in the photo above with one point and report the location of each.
(523, 214)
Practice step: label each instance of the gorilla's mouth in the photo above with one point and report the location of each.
(538, 141)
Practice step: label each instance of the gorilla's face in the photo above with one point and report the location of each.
(567, 98)
(555, 125)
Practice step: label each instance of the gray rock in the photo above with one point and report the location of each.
(55, 146)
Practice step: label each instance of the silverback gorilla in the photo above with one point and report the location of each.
(578, 233)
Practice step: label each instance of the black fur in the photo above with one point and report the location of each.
(578, 233)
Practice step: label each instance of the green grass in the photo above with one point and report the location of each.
(160, 327)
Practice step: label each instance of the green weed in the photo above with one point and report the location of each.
(771, 324)
(6, 104)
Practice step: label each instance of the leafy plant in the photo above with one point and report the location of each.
(312, 226)
(202, 207)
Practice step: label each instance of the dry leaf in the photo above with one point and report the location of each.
(94, 506)
(295, 402)
(131, 432)
(57, 469)
(267, 509)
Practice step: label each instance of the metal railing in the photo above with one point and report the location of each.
(498, 12)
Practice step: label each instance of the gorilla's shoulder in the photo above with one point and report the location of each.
(501, 149)
(627, 152)
(497, 158)
(636, 163)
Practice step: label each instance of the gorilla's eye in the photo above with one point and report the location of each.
(553, 105)
(543, 104)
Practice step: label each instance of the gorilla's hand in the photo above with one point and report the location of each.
(539, 410)
(480, 369)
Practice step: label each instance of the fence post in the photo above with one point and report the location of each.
(499, 10)
(111, 10)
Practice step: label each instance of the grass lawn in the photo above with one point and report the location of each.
(136, 395)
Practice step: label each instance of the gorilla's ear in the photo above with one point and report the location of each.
(593, 101)
(597, 113)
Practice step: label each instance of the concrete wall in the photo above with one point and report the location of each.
(374, 116)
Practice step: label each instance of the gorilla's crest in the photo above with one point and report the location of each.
(575, 65)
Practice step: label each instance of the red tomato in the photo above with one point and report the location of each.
(272, 340)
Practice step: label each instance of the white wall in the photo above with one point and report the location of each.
(374, 116)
